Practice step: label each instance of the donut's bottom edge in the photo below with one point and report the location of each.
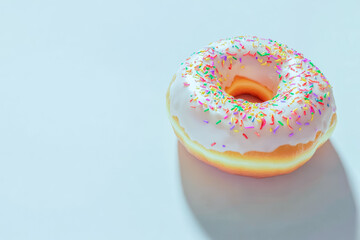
(265, 164)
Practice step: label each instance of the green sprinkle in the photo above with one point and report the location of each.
(218, 122)
(280, 123)
(311, 63)
(206, 110)
(240, 108)
(265, 54)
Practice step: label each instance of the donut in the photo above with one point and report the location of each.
(294, 115)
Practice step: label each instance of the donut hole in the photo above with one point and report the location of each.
(249, 90)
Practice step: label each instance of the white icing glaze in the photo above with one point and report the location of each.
(198, 102)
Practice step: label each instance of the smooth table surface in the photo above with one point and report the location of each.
(86, 148)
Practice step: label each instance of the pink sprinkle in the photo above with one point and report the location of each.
(186, 84)
(291, 134)
(244, 116)
(201, 103)
(226, 117)
(250, 127)
(240, 59)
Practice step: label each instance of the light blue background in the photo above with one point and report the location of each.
(87, 151)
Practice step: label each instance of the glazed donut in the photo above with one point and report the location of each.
(295, 115)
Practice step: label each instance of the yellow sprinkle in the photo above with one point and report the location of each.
(299, 129)
(312, 117)
(271, 130)
(236, 130)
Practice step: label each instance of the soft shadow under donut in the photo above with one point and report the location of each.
(314, 202)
